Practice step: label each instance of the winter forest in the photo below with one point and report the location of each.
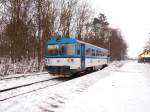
(24, 27)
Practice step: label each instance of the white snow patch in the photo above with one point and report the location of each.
(125, 90)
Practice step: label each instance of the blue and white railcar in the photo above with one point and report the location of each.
(66, 56)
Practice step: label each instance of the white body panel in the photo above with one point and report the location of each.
(90, 62)
(74, 63)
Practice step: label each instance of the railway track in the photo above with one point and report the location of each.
(20, 76)
(9, 93)
(12, 83)
(15, 91)
(15, 87)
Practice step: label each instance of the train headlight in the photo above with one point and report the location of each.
(46, 60)
(70, 60)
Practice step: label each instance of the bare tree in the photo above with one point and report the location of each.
(67, 14)
(15, 26)
(83, 14)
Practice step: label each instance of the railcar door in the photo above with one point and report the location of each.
(82, 56)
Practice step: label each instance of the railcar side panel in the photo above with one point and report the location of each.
(73, 63)
(91, 62)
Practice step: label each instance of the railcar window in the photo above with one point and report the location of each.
(97, 53)
(67, 49)
(105, 53)
(93, 52)
(53, 50)
(78, 49)
(102, 53)
(87, 51)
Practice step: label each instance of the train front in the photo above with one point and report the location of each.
(61, 58)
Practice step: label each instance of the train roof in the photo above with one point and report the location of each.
(64, 40)
(92, 45)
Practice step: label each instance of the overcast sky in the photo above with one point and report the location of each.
(131, 16)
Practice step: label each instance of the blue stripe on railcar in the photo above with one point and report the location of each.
(62, 40)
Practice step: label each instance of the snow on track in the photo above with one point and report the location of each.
(27, 89)
(15, 76)
(5, 84)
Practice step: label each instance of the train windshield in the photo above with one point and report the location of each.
(62, 49)
(67, 49)
(53, 50)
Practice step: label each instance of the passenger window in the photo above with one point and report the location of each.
(87, 51)
(93, 52)
(53, 50)
(78, 49)
(67, 49)
(97, 53)
(106, 53)
(102, 53)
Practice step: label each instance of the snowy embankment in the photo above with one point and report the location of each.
(22, 67)
(26, 79)
(53, 99)
(125, 90)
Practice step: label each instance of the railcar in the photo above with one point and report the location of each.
(66, 56)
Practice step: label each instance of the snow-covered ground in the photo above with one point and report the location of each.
(26, 79)
(125, 90)
(121, 87)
